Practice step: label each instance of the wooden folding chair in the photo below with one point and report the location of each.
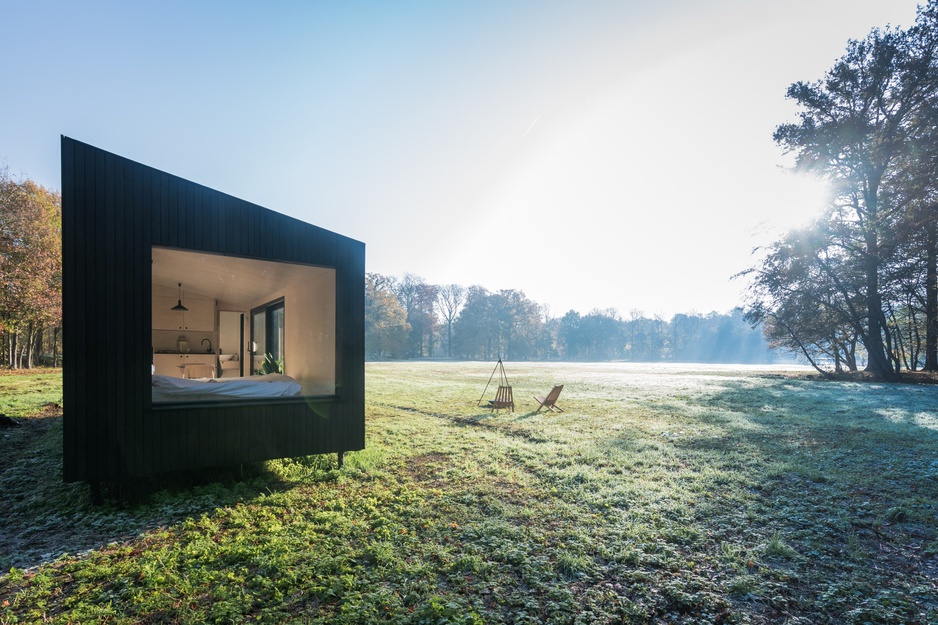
(550, 400)
(503, 399)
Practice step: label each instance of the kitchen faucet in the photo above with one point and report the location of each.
(209, 350)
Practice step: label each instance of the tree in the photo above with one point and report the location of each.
(449, 301)
(801, 295)
(571, 336)
(386, 327)
(918, 177)
(548, 341)
(518, 323)
(30, 268)
(601, 335)
(855, 126)
(475, 331)
(685, 337)
(645, 340)
(418, 299)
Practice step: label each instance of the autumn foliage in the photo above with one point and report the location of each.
(31, 271)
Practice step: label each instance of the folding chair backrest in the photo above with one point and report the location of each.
(503, 399)
(553, 394)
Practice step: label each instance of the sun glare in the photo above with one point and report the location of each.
(797, 200)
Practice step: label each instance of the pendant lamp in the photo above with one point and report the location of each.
(179, 305)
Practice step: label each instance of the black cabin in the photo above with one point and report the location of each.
(200, 330)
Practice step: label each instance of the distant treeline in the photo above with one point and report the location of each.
(408, 318)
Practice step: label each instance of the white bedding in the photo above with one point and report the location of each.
(167, 389)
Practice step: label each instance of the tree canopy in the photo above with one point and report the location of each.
(31, 270)
(864, 272)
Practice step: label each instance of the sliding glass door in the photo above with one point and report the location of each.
(267, 342)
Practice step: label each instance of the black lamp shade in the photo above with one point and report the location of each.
(179, 305)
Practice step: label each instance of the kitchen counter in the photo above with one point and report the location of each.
(176, 351)
(173, 363)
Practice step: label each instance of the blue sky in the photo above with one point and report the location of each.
(593, 154)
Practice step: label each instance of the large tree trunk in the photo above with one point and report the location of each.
(931, 293)
(878, 362)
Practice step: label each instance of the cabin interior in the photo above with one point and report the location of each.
(219, 318)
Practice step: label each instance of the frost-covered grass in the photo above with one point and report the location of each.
(674, 494)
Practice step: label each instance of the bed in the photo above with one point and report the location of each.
(168, 389)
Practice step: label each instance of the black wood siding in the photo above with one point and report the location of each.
(114, 211)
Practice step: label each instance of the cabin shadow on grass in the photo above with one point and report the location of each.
(45, 517)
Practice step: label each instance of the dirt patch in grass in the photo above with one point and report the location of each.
(428, 469)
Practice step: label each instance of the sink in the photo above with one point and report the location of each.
(225, 357)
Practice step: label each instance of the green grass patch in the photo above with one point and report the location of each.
(23, 393)
(662, 494)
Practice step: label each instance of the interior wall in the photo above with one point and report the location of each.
(229, 332)
(236, 329)
(309, 331)
(309, 319)
(166, 297)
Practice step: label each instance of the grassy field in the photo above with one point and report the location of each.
(664, 494)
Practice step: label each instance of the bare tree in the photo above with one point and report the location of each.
(449, 301)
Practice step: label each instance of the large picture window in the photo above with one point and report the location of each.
(229, 328)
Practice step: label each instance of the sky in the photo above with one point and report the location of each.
(594, 154)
